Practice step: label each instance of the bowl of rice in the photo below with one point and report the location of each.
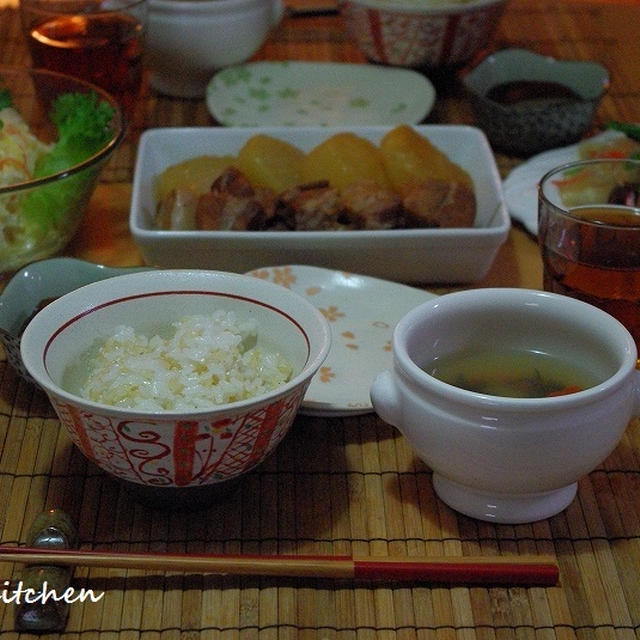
(176, 381)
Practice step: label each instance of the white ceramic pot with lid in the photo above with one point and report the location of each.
(189, 40)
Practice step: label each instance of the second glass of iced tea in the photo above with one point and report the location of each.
(101, 41)
(589, 235)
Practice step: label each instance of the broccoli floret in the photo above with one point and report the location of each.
(82, 121)
(83, 124)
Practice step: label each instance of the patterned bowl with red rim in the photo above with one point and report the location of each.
(164, 449)
(421, 33)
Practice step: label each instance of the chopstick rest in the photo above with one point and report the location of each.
(504, 570)
(51, 530)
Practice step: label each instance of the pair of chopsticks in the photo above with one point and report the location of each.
(504, 570)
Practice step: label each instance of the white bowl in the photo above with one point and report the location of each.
(505, 459)
(189, 40)
(419, 33)
(174, 450)
(408, 255)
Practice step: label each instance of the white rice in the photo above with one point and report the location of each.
(207, 361)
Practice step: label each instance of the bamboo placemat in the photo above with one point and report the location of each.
(338, 486)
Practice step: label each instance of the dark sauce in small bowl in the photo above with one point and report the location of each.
(518, 91)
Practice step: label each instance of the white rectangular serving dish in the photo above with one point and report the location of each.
(406, 255)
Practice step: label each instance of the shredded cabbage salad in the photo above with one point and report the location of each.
(37, 222)
(20, 149)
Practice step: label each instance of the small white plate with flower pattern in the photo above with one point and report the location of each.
(291, 94)
(362, 313)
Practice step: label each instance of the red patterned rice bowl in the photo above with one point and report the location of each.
(423, 33)
(175, 448)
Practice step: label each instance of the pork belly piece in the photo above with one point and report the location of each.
(234, 204)
(311, 207)
(221, 212)
(370, 206)
(234, 183)
(177, 211)
(437, 203)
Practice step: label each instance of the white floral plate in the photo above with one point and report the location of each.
(520, 187)
(362, 312)
(318, 94)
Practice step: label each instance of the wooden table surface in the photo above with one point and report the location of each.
(341, 485)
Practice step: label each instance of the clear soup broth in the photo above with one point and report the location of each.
(514, 373)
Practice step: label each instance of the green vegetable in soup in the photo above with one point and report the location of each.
(516, 373)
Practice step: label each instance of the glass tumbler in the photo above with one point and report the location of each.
(589, 235)
(101, 41)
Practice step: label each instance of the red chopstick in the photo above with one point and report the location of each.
(511, 570)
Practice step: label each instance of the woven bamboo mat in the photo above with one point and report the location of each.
(337, 486)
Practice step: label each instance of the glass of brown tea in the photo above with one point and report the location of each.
(589, 235)
(101, 41)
